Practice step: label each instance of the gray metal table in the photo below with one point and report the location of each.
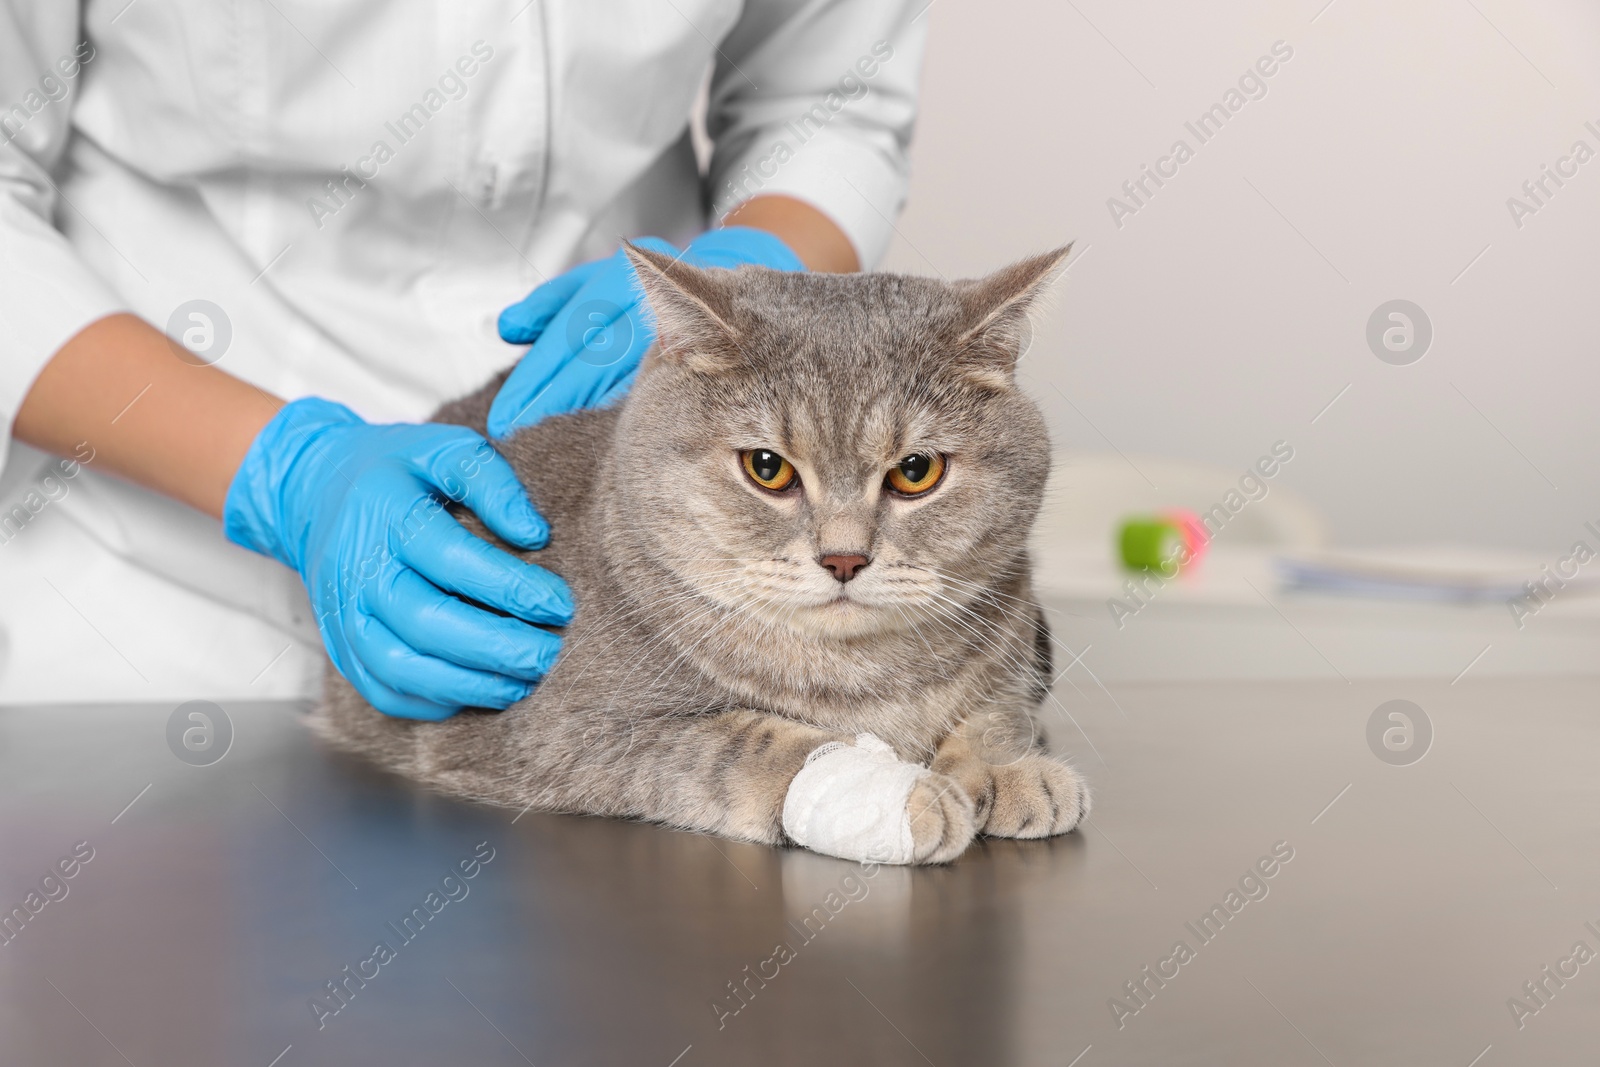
(221, 899)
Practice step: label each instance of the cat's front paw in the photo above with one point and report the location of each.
(1035, 797)
(862, 802)
(943, 821)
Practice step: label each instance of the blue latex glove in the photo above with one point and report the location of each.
(358, 510)
(589, 331)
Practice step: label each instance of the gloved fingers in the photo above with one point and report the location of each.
(584, 338)
(584, 348)
(335, 635)
(611, 353)
(603, 326)
(412, 673)
(400, 706)
(454, 560)
(522, 322)
(467, 469)
(439, 625)
(734, 246)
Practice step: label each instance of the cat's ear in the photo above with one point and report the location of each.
(996, 321)
(692, 309)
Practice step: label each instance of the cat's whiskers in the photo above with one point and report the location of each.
(983, 591)
(977, 593)
(1029, 619)
(894, 591)
(970, 608)
(1017, 661)
(916, 631)
(954, 612)
(994, 636)
(980, 597)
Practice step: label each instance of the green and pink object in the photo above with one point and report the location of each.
(1164, 543)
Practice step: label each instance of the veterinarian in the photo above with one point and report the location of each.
(246, 248)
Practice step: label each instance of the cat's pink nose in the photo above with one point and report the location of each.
(845, 568)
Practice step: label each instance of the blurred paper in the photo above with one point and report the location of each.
(1433, 572)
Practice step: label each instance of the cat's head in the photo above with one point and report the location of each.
(833, 454)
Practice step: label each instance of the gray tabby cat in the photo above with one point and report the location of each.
(807, 522)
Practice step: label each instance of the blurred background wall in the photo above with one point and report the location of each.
(1231, 308)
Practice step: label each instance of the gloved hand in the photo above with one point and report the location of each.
(589, 332)
(359, 511)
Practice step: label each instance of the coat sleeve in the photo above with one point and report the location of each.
(47, 293)
(816, 99)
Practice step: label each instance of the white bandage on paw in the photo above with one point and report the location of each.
(851, 802)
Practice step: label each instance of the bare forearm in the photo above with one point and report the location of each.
(150, 416)
(183, 429)
(819, 243)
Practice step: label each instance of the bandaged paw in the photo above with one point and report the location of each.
(851, 801)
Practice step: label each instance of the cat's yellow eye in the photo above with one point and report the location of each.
(916, 474)
(768, 469)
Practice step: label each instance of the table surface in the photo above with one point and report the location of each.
(221, 899)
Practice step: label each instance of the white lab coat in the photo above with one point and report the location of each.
(359, 187)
